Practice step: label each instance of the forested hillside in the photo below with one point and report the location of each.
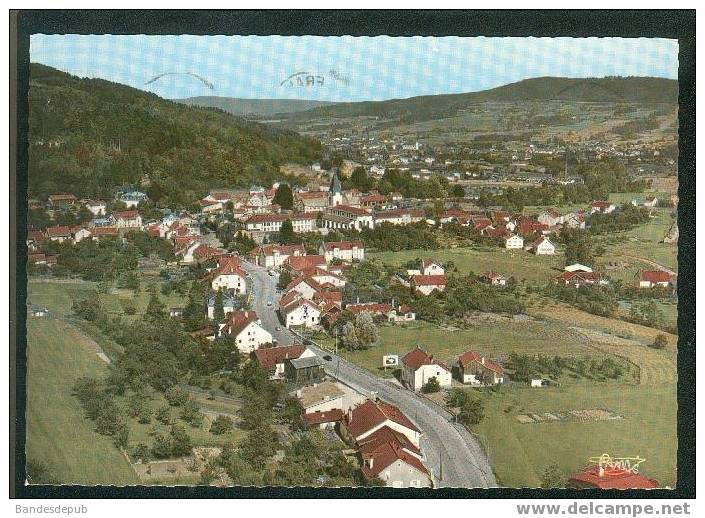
(90, 136)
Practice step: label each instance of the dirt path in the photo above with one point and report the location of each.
(652, 263)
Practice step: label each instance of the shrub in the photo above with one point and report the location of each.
(176, 396)
(431, 386)
(221, 425)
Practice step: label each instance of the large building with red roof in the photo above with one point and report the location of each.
(389, 456)
(596, 477)
(365, 419)
(246, 331)
(229, 275)
(653, 279)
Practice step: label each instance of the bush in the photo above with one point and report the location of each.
(176, 396)
(431, 386)
(191, 413)
(163, 414)
(221, 425)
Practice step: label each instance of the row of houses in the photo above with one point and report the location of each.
(470, 368)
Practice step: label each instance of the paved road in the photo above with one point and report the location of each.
(452, 453)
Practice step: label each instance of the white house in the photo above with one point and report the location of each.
(603, 207)
(320, 397)
(542, 246)
(97, 207)
(342, 250)
(132, 198)
(348, 217)
(427, 284)
(246, 331)
(304, 286)
(432, 267)
(550, 217)
(229, 275)
(128, 219)
(418, 367)
(298, 311)
(399, 216)
(81, 234)
(273, 256)
(513, 242)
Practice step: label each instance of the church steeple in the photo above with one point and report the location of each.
(335, 191)
(335, 186)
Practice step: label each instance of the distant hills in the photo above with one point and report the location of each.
(89, 136)
(253, 107)
(429, 107)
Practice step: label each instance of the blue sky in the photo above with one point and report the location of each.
(344, 68)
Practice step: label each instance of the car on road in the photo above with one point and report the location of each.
(269, 303)
(277, 328)
(327, 357)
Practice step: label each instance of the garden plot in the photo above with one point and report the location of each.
(593, 414)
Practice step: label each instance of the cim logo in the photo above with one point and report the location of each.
(613, 466)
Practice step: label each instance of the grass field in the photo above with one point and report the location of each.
(200, 436)
(521, 452)
(632, 250)
(520, 264)
(496, 340)
(58, 296)
(58, 435)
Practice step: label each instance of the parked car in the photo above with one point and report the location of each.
(327, 357)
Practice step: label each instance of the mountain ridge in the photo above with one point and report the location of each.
(428, 107)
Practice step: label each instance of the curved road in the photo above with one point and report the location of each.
(452, 453)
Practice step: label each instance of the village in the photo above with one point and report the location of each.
(282, 270)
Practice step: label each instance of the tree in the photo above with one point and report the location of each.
(218, 310)
(156, 310)
(472, 411)
(176, 396)
(163, 414)
(180, 442)
(221, 425)
(552, 477)
(259, 445)
(161, 448)
(284, 279)
(578, 246)
(191, 413)
(286, 233)
(457, 191)
(431, 386)
(361, 180)
(284, 197)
